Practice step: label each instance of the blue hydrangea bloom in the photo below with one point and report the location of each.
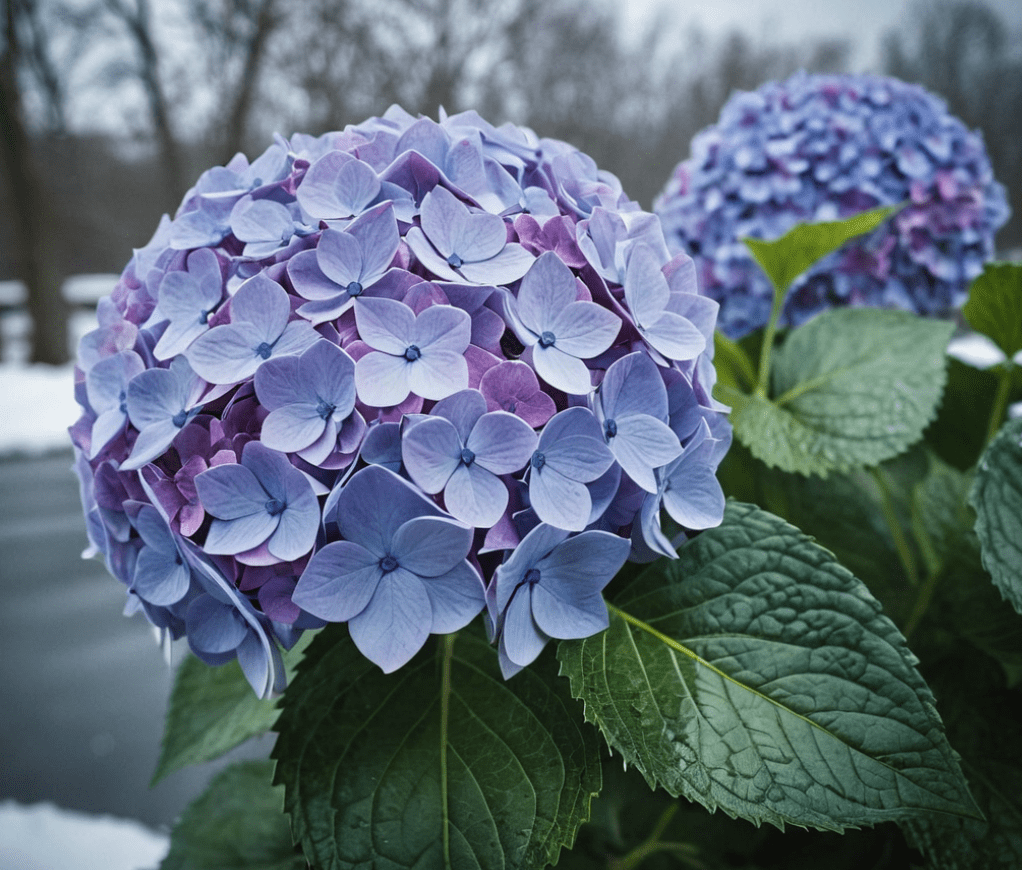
(821, 148)
(385, 375)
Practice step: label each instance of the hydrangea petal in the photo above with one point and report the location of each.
(475, 496)
(521, 638)
(338, 582)
(431, 450)
(430, 546)
(396, 623)
(455, 598)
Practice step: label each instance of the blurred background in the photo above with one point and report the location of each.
(109, 110)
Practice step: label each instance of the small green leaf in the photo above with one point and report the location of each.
(441, 764)
(853, 387)
(734, 366)
(756, 674)
(994, 306)
(786, 258)
(997, 499)
(958, 433)
(237, 824)
(213, 709)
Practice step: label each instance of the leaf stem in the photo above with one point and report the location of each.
(1000, 408)
(648, 846)
(922, 603)
(445, 710)
(908, 562)
(768, 341)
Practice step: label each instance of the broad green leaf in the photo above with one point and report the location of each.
(756, 674)
(997, 499)
(213, 709)
(237, 824)
(853, 387)
(441, 764)
(994, 306)
(786, 258)
(983, 725)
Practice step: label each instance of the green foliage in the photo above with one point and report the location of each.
(758, 675)
(997, 498)
(237, 824)
(786, 258)
(994, 307)
(983, 724)
(212, 710)
(440, 764)
(853, 387)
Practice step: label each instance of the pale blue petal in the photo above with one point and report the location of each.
(561, 371)
(151, 442)
(442, 327)
(443, 216)
(455, 597)
(292, 428)
(427, 255)
(155, 532)
(160, 579)
(502, 443)
(230, 492)
(508, 266)
(438, 374)
(386, 324)
(299, 523)
(522, 639)
(297, 337)
(226, 354)
(646, 288)
(633, 385)
(547, 287)
(214, 627)
(431, 451)
(463, 409)
(377, 235)
(694, 498)
(430, 546)
(475, 496)
(675, 337)
(308, 279)
(230, 537)
(585, 329)
(558, 500)
(263, 302)
(339, 582)
(582, 565)
(154, 396)
(382, 380)
(578, 457)
(277, 383)
(566, 619)
(396, 622)
(643, 443)
(339, 256)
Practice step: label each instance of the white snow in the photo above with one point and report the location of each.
(45, 837)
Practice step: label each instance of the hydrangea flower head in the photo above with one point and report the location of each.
(821, 148)
(395, 376)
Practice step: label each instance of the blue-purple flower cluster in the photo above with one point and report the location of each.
(821, 148)
(396, 376)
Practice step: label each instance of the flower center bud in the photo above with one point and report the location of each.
(179, 419)
(547, 339)
(354, 289)
(204, 316)
(412, 353)
(538, 460)
(454, 261)
(274, 507)
(264, 350)
(609, 429)
(467, 456)
(387, 564)
(123, 400)
(531, 576)
(324, 409)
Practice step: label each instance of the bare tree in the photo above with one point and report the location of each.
(37, 264)
(136, 17)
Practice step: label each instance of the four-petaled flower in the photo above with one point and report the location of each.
(264, 500)
(550, 587)
(399, 574)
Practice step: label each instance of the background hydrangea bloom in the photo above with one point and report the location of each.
(820, 148)
(349, 381)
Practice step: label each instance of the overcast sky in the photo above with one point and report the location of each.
(862, 21)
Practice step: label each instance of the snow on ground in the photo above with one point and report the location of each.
(42, 837)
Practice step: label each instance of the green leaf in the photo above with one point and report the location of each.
(756, 674)
(238, 823)
(440, 764)
(853, 387)
(786, 258)
(958, 434)
(982, 721)
(734, 366)
(997, 499)
(213, 709)
(994, 306)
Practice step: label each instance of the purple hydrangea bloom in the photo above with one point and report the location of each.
(549, 587)
(349, 380)
(821, 148)
(399, 574)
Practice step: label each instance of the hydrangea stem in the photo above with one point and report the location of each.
(901, 545)
(1000, 408)
(445, 711)
(768, 341)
